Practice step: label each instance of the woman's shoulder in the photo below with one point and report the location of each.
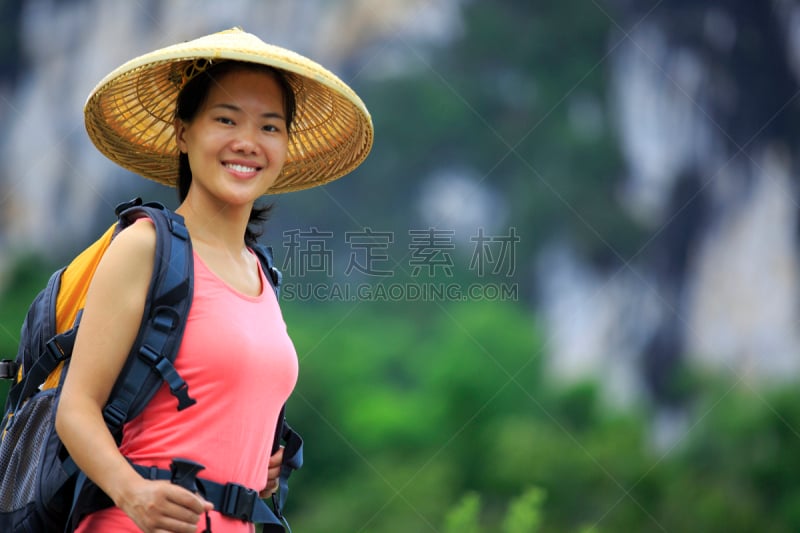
(137, 238)
(129, 257)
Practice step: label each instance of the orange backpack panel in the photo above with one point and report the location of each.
(72, 293)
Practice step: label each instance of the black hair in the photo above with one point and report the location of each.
(190, 100)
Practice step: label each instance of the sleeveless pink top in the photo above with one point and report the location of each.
(241, 366)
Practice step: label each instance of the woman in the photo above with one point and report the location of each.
(249, 119)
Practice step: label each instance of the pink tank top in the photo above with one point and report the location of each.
(241, 366)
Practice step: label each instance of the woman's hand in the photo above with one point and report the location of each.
(272, 474)
(161, 507)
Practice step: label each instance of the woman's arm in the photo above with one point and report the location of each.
(111, 318)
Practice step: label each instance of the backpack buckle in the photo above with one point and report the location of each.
(114, 417)
(8, 369)
(56, 351)
(182, 394)
(238, 501)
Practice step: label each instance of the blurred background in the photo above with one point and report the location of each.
(561, 293)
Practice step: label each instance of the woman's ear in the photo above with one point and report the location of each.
(180, 135)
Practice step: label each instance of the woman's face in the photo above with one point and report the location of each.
(237, 142)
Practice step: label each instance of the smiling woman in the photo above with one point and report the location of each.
(233, 145)
(237, 115)
(216, 117)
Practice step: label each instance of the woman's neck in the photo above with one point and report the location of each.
(217, 235)
(219, 226)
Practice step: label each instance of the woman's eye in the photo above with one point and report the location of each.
(270, 128)
(224, 120)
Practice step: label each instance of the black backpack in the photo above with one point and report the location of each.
(41, 488)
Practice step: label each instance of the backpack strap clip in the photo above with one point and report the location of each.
(8, 369)
(182, 394)
(113, 416)
(238, 501)
(57, 351)
(164, 367)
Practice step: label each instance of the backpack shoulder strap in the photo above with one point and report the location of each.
(163, 322)
(292, 460)
(293, 442)
(152, 356)
(39, 350)
(264, 254)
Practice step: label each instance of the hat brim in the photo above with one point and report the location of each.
(129, 116)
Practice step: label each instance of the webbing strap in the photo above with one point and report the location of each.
(33, 377)
(230, 499)
(292, 460)
(57, 349)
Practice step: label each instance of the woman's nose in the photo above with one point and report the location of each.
(245, 141)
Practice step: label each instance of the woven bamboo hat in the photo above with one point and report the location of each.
(130, 114)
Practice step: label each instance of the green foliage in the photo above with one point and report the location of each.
(464, 517)
(441, 414)
(428, 379)
(524, 513)
(28, 276)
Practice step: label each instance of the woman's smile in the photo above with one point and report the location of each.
(242, 170)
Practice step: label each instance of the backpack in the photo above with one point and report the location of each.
(41, 488)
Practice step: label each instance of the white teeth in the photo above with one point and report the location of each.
(240, 168)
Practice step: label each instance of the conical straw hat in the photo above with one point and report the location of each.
(130, 114)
